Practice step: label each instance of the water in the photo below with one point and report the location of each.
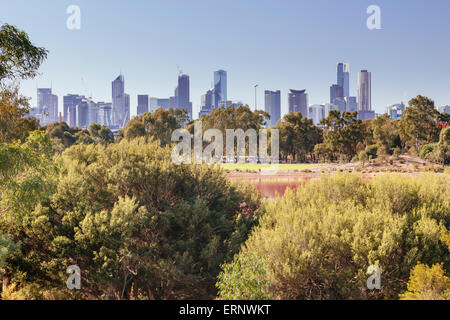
(270, 187)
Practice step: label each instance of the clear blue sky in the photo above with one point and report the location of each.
(278, 44)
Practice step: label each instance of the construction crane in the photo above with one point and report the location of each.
(180, 72)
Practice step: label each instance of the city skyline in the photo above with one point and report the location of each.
(401, 70)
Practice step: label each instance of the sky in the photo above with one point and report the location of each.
(277, 44)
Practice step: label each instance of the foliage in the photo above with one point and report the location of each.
(417, 126)
(243, 278)
(298, 136)
(137, 225)
(19, 58)
(427, 283)
(13, 108)
(341, 136)
(158, 125)
(317, 243)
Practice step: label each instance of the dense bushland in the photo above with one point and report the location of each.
(137, 225)
(317, 243)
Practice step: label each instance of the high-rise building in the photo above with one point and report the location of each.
(273, 106)
(298, 101)
(316, 113)
(336, 91)
(352, 104)
(182, 94)
(47, 105)
(142, 106)
(220, 87)
(364, 91)
(127, 109)
(343, 78)
(206, 102)
(118, 102)
(70, 103)
(105, 114)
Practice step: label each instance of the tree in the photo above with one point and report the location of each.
(158, 125)
(341, 136)
(19, 58)
(101, 134)
(298, 136)
(13, 108)
(443, 147)
(385, 134)
(418, 124)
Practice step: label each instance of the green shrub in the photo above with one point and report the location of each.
(317, 243)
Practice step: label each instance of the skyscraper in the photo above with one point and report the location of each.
(104, 114)
(127, 109)
(220, 87)
(182, 94)
(142, 106)
(206, 104)
(343, 77)
(47, 105)
(70, 102)
(273, 106)
(336, 91)
(118, 102)
(298, 101)
(364, 91)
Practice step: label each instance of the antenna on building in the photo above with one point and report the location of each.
(180, 72)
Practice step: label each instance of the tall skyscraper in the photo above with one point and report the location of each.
(343, 77)
(298, 101)
(182, 94)
(364, 91)
(142, 106)
(118, 102)
(273, 106)
(336, 91)
(220, 87)
(47, 105)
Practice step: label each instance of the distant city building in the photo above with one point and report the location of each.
(228, 103)
(206, 102)
(366, 114)
(343, 78)
(143, 105)
(364, 91)
(220, 87)
(47, 106)
(105, 114)
(273, 106)
(341, 104)
(93, 113)
(127, 109)
(182, 94)
(336, 91)
(298, 102)
(119, 111)
(444, 109)
(352, 104)
(316, 113)
(70, 103)
(396, 111)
